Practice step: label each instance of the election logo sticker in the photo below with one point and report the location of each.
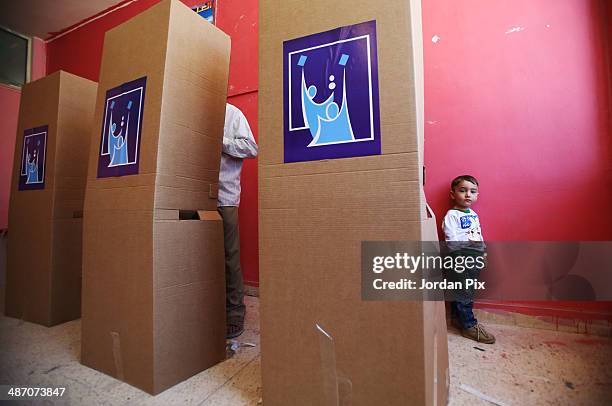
(33, 156)
(121, 129)
(331, 107)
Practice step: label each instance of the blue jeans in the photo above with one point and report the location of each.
(462, 312)
(463, 305)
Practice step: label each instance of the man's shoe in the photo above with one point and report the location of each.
(478, 333)
(234, 329)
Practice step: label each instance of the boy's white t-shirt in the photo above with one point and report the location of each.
(462, 226)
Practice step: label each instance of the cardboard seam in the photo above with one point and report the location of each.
(156, 192)
(356, 159)
(54, 204)
(344, 172)
(195, 285)
(121, 187)
(187, 178)
(192, 130)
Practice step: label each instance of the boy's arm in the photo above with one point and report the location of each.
(240, 143)
(450, 226)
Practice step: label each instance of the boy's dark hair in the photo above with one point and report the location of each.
(461, 178)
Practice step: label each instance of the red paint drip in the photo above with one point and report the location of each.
(593, 342)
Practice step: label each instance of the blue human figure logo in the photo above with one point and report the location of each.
(118, 138)
(328, 123)
(32, 166)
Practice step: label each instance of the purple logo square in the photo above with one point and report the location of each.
(33, 157)
(121, 129)
(331, 105)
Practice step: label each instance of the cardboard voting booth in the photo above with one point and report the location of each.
(46, 204)
(341, 162)
(153, 264)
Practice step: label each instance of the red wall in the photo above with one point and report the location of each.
(239, 19)
(9, 106)
(526, 112)
(80, 52)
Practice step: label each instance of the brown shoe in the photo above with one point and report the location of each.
(478, 333)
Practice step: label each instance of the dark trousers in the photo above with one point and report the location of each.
(234, 288)
(463, 312)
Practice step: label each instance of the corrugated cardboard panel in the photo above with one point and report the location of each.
(44, 256)
(153, 297)
(442, 374)
(435, 333)
(314, 215)
(193, 111)
(79, 94)
(166, 214)
(117, 302)
(319, 282)
(77, 98)
(436, 354)
(430, 226)
(189, 300)
(342, 191)
(189, 332)
(137, 198)
(75, 118)
(28, 277)
(66, 278)
(406, 160)
(186, 251)
(191, 163)
(293, 19)
(68, 201)
(184, 194)
(134, 49)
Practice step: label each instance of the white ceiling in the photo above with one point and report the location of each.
(40, 18)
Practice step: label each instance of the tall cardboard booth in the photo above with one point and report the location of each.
(153, 263)
(341, 162)
(46, 205)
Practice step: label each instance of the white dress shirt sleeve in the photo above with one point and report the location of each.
(238, 141)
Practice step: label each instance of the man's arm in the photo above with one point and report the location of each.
(240, 143)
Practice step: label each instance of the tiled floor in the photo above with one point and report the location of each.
(525, 367)
(531, 367)
(33, 355)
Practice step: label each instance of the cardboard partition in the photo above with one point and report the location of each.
(157, 318)
(340, 162)
(153, 269)
(46, 204)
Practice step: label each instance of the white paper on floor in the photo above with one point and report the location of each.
(481, 395)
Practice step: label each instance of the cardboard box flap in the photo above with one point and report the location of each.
(184, 214)
(209, 215)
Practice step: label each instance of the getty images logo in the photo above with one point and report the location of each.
(121, 129)
(331, 94)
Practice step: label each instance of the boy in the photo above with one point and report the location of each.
(463, 235)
